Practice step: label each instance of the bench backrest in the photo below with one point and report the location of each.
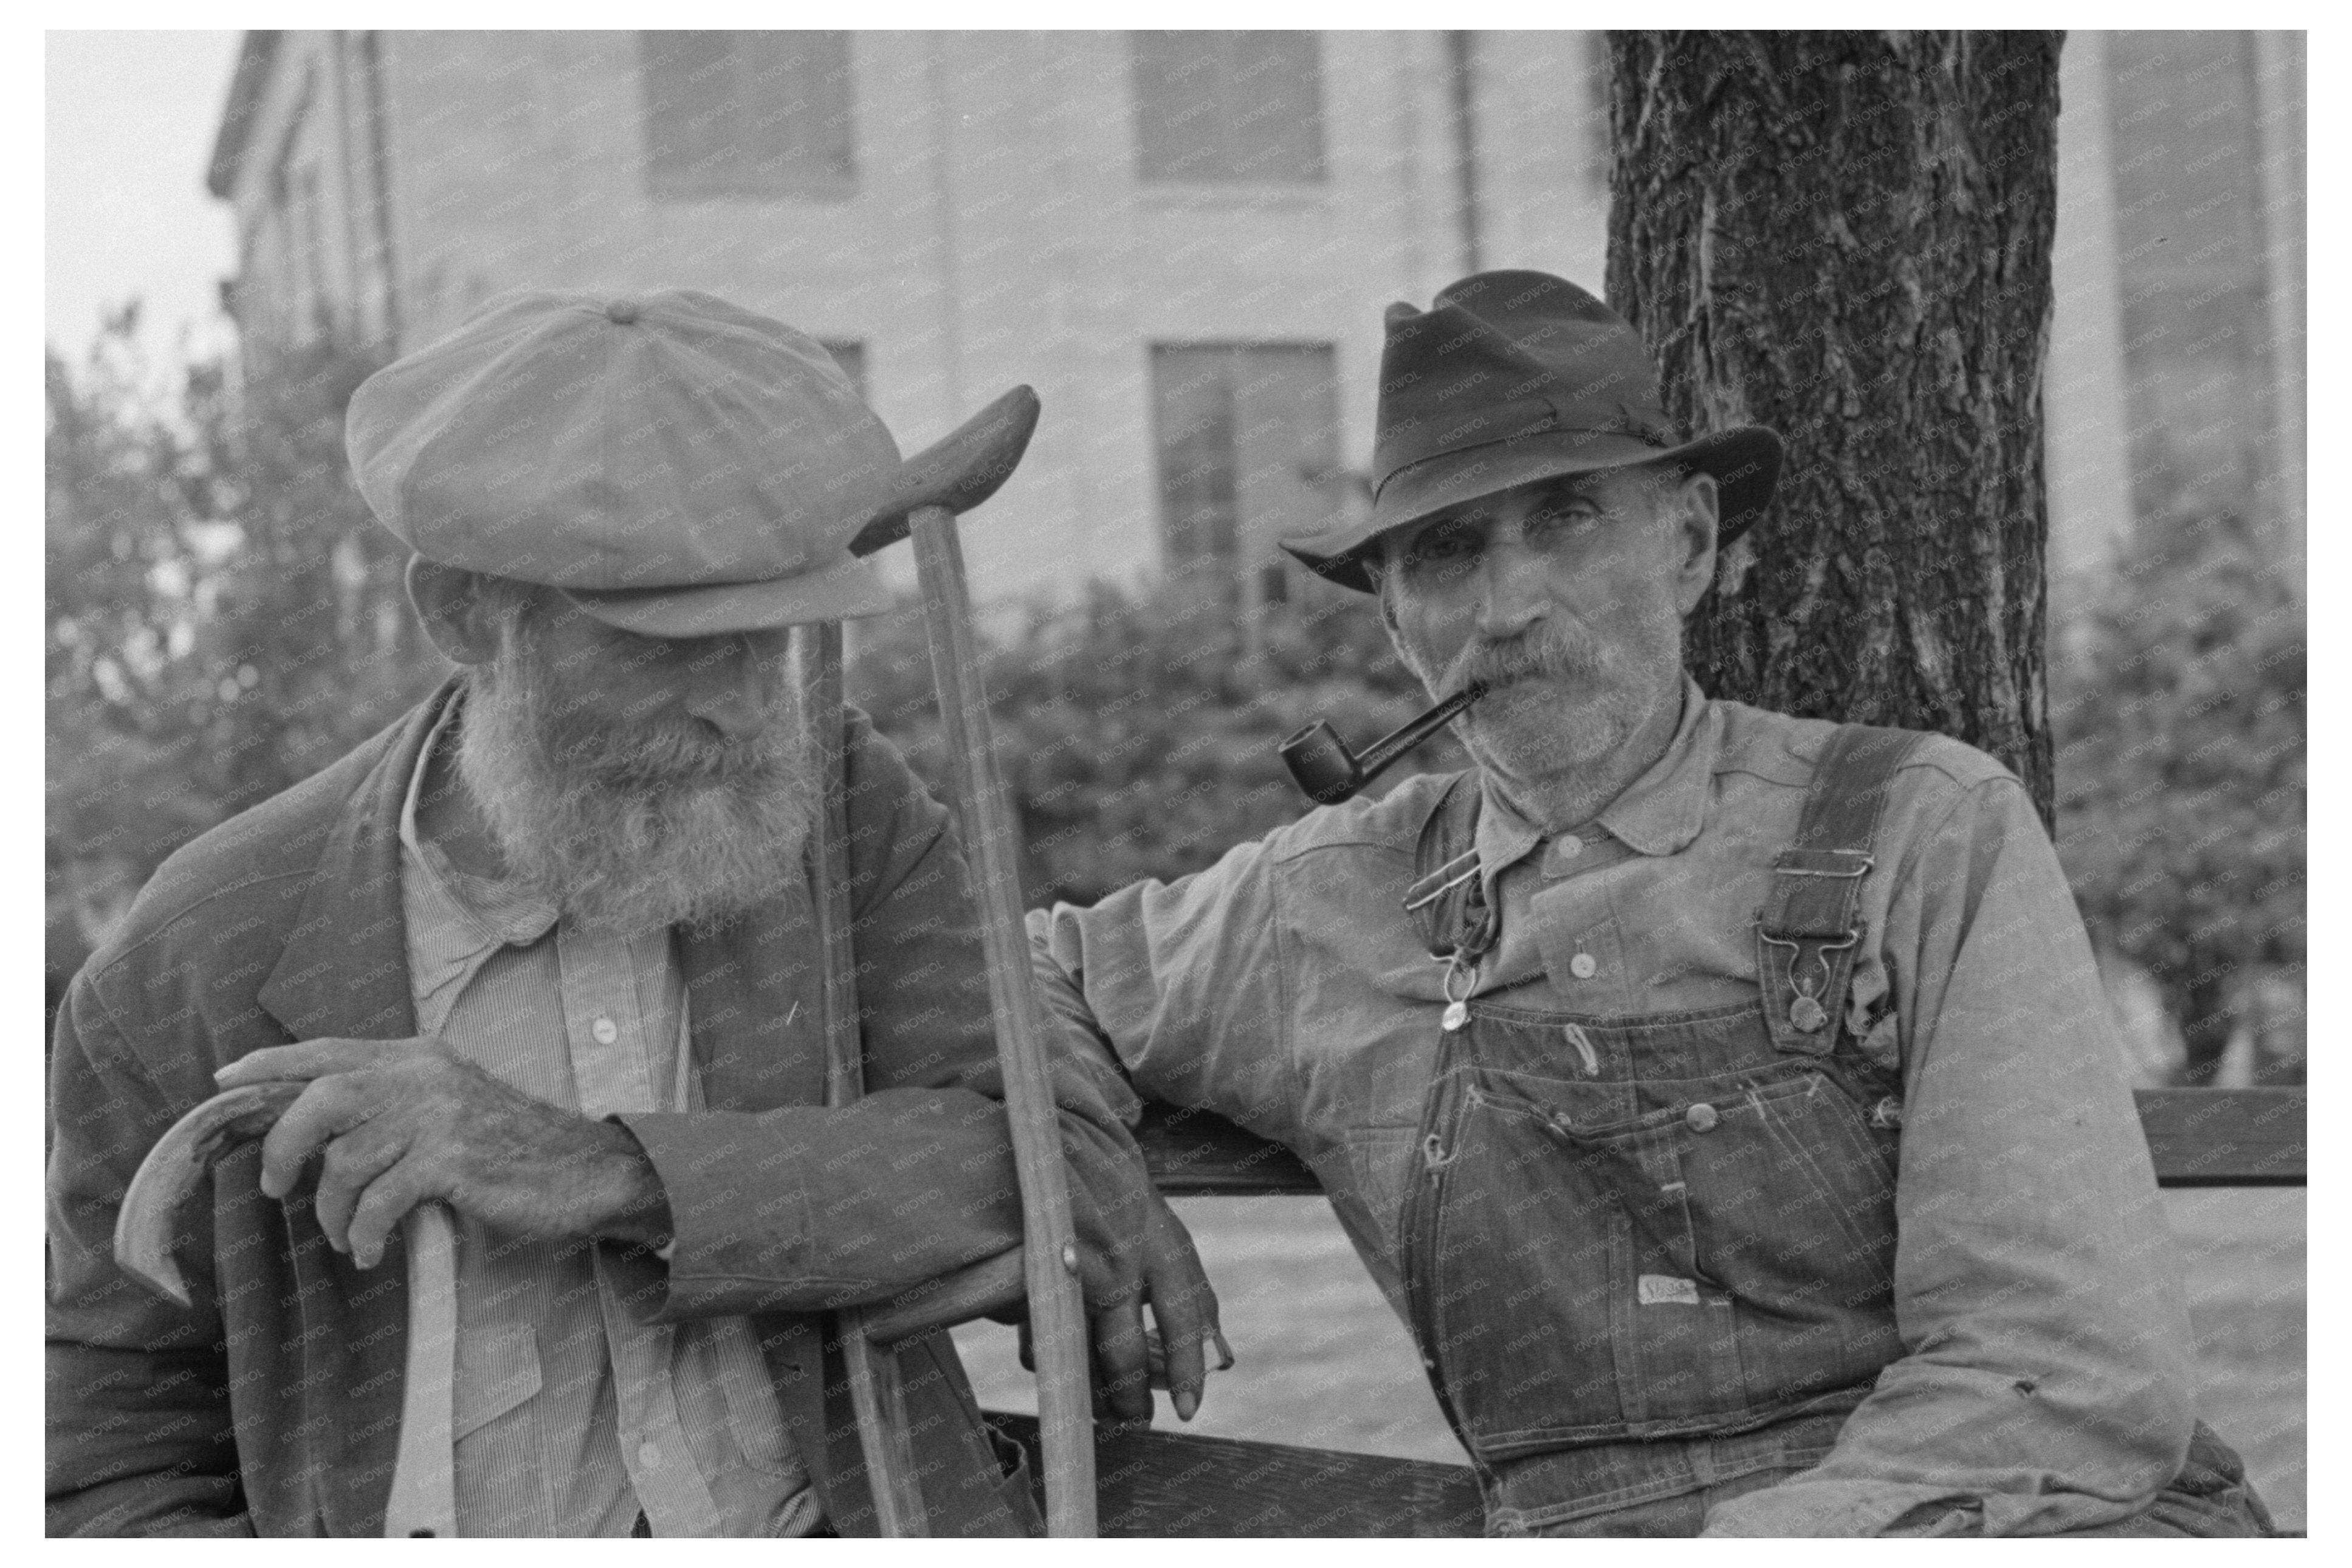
(2198, 1137)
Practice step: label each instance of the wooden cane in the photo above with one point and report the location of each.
(423, 1499)
(1056, 1310)
(958, 474)
(877, 1392)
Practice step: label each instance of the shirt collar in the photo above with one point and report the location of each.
(498, 911)
(1658, 814)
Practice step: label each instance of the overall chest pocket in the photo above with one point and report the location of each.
(1794, 1212)
(1560, 1295)
(1646, 1258)
(1770, 1181)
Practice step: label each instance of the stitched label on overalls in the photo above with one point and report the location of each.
(1665, 1290)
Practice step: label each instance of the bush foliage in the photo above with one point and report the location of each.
(223, 617)
(2180, 724)
(1136, 733)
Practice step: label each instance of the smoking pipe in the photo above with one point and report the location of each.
(1327, 773)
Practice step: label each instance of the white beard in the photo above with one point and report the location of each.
(659, 825)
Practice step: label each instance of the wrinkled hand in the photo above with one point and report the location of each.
(399, 1122)
(1161, 1268)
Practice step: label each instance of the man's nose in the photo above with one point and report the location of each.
(1511, 589)
(734, 689)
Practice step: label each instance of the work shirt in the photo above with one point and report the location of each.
(2044, 1373)
(572, 1416)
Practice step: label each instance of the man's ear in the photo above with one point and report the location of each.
(1697, 514)
(449, 601)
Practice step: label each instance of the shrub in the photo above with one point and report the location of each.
(1136, 732)
(223, 617)
(2179, 720)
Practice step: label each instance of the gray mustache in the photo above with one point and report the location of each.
(1532, 656)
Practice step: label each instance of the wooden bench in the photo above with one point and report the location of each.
(1173, 1484)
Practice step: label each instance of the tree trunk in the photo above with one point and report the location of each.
(1847, 237)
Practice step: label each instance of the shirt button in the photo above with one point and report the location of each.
(1564, 848)
(1701, 1117)
(649, 1456)
(605, 1030)
(1584, 966)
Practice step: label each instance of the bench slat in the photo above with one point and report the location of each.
(2224, 1136)
(2199, 1138)
(1174, 1484)
(1193, 1154)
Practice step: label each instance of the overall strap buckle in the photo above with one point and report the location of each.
(1809, 934)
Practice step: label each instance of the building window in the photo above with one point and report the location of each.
(747, 114)
(291, 229)
(1228, 107)
(1248, 438)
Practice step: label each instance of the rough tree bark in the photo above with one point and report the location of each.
(1847, 237)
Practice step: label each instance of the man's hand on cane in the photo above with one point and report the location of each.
(394, 1123)
(1153, 1262)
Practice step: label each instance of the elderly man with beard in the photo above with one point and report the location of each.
(1727, 1102)
(543, 950)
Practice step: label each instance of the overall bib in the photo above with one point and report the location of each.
(1675, 1225)
(1669, 1226)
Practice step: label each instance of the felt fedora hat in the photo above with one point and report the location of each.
(675, 465)
(1513, 377)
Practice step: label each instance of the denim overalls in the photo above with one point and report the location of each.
(1666, 1226)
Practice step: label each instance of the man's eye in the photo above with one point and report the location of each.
(1450, 545)
(1563, 522)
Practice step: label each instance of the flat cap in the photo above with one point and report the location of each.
(676, 465)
